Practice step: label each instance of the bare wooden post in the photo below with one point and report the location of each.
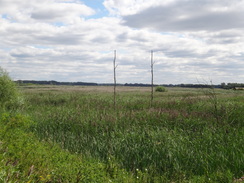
(114, 80)
(152, 77)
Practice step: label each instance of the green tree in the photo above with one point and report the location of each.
(9, 95)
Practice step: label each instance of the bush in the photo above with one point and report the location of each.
(9, 94)
(160, 89)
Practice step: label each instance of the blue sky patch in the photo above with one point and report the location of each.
(97, 5)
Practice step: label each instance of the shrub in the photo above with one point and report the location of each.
(9, 94)
(160, 89)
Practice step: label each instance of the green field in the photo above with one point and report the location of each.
(74, 134)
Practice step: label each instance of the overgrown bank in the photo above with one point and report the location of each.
(25, 158)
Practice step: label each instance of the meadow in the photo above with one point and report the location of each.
(74, 134)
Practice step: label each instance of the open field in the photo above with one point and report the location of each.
(186, 135)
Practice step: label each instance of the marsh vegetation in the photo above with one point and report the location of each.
(73, 134)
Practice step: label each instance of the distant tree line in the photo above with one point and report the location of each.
(175, 85)
(55, 83)
(222, 85)
(232, 85)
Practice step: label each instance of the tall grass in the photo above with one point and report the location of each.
(180, 138)
(25, 159)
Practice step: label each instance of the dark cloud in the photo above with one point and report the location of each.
(63, 39)
(46, 15)
(122, 37)
(101, 39)
(21, 55)
(181, 54)
(189, 15)
(225, 37)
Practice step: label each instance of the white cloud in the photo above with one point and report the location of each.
(130, 7)
(56, 40)
(190, 15)
(45, 10)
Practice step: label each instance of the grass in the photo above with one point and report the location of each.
(26, 159)
(184, 137)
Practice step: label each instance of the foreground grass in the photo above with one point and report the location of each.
(25, 159)
(186, 136)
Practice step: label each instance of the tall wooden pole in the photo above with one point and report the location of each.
(114, 80)
(152, 77)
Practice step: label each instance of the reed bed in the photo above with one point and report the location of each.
(184, 136)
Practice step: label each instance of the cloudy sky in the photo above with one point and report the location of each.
(194, 41)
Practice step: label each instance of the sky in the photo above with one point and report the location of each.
(193, 41)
